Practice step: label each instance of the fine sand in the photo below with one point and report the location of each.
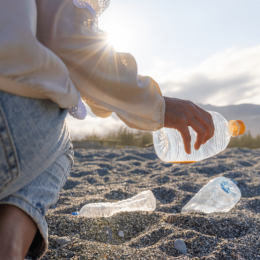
(112, 175)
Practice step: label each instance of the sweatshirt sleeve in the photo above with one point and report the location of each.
(108, 81)
(34, 70)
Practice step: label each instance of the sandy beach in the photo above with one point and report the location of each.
(115, 174)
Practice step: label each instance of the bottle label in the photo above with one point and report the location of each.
(226, 187)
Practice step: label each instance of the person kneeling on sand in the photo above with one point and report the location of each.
(51, 53)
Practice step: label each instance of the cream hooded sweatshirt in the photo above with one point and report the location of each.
(48, 49)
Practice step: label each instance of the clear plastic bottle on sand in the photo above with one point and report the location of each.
(168, 143)
(219, 195)
(145, 201)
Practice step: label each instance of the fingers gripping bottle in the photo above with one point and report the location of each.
(168, 142)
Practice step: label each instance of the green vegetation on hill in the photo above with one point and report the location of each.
(245, 141)
(128, 137)
(123, 137)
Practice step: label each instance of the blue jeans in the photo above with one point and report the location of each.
(35, 159)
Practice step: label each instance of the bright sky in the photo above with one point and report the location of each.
(204, 50)
(183, 32)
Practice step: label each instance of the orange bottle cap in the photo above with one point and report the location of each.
(236, 127)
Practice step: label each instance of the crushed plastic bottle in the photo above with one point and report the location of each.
(219, 195)
(168, 143)
(145, 201)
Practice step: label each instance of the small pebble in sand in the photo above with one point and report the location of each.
(70, 254)
(63, 240)
(121, 234)
(171, 218)
(77, 236)
(180, 246)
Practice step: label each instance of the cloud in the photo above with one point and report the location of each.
(228, 77)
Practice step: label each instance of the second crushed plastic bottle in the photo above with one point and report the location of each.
(168, 143)
(219, 195)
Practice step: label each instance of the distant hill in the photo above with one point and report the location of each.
(248, 113)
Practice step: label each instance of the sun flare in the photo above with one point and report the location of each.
(119, 37)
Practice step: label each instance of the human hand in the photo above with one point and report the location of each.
(179, 114)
